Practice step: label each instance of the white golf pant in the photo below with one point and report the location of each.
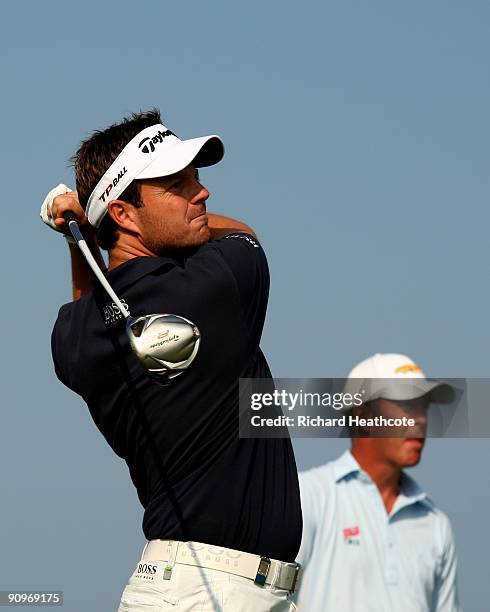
(199, 589)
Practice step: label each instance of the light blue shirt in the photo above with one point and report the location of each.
(357, 558)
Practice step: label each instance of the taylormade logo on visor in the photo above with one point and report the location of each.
(149, 147)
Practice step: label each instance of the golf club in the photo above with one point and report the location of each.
(164, 344)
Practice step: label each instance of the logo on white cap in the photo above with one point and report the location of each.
(147, 145)
(396, 377)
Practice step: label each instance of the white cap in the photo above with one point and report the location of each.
(395, 377)
(154, 152)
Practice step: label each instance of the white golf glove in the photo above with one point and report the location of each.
(45, 213)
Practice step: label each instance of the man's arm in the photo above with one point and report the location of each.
(221, 226)
(446, 593)
(80, 270)
(308, 506)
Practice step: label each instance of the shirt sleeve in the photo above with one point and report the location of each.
(308, 507)
(446, 597)
(59, 344)
(247, 263)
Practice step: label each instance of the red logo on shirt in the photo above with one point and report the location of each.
(351, 536)
(351, 532)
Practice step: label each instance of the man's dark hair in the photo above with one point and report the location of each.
(94, 157)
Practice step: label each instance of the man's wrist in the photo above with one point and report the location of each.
(69, 239)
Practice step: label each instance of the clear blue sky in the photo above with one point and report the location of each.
(357, 146)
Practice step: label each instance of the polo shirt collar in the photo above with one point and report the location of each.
(410, 491)
(132, 270)
(345, 465)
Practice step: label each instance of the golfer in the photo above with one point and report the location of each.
(222, 515)
(373, 541)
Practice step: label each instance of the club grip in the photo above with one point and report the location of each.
(72, 221)
(69, 216)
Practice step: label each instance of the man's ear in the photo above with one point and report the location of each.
(124, 215)
(364, 411)
(358, 411)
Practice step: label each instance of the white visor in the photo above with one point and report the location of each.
(154, 152)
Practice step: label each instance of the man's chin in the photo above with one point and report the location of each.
(413, 460)
(187, 242)
(194, 240)
(201, 237)
(413, 451)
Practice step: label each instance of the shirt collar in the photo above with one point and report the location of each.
(410, 491)
(345, 465)
(132, 270)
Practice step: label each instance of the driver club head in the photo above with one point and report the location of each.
(164, 344)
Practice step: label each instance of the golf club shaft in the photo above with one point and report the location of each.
(72, 221)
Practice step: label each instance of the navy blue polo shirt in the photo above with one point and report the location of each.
(196, 480)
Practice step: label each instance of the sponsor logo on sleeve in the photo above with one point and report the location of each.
(246, 237)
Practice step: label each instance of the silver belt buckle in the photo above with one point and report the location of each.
(295, 578)
(262, 571)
